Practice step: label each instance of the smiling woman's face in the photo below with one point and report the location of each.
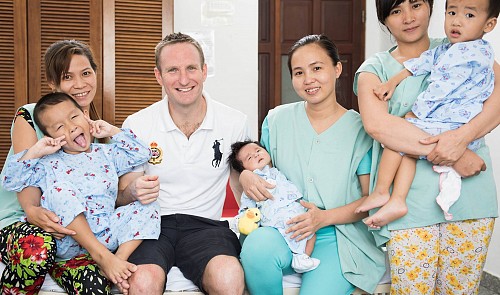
(80, 82)
(314, 75)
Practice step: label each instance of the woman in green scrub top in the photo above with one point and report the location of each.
(323, 149)
(428, 255)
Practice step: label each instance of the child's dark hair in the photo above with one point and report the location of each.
(235, 149)
(49, 100)
(493, 8)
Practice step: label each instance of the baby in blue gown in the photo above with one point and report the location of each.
(250, 155)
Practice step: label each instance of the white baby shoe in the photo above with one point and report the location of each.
(302, 263)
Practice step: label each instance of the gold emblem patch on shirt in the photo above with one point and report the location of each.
(156, 153)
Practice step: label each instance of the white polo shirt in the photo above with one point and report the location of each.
(193, 172)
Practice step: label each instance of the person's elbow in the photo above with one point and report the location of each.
(375, 129)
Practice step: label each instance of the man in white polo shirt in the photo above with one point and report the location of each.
(190, 136)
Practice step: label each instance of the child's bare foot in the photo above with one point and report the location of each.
(115, 268)
(374, 200)
(392, 210)
(123, 287)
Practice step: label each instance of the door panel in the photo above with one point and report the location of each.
(12, 65)
(265, 80)
(134, 42)
(336, 19)
(344, 83)
(297, 22)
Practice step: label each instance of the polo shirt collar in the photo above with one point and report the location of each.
(169, 125)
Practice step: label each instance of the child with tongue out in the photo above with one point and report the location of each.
(79, 180)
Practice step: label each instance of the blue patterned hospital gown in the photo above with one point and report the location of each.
(87, 183)
(461, 79)
(285, 205)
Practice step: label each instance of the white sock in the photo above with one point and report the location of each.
(302, 263)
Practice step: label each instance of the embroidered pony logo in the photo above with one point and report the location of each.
(217, 153)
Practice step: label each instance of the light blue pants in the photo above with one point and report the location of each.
(266, 257)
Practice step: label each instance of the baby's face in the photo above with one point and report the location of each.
(254, 157)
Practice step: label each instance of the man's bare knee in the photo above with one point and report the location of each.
(147, 279)
(224, 275)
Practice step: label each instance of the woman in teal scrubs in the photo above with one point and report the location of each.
(428, 255)
(323, 149)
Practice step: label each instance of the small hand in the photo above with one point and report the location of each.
(101, 128)
(255, 187)
(384, 91)
(45, 146)
(306, 224)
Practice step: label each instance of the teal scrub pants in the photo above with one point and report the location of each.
(266, 258)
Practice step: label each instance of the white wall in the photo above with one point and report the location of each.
(235, 82)
(377, 40)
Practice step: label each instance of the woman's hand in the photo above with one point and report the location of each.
(306, 224)
(48, 221)
(255, 187)
(451, 145)
(469, 164)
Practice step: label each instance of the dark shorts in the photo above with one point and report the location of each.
(188, 242)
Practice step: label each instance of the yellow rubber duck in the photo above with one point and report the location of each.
(249, 221)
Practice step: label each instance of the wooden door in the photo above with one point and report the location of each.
(12, 67)
(121, 33)
(283, 22)
(131, 31)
